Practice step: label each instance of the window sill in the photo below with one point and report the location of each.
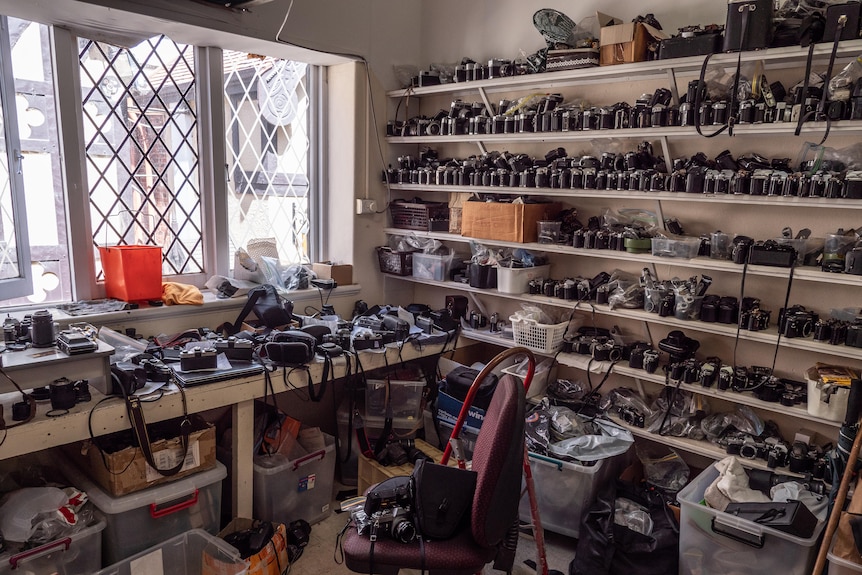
(211, 304)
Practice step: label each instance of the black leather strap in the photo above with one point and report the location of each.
(819, 113)
(139, 427)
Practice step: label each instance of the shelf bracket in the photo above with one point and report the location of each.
(482, 147)
(659, 213)
(665, 151)
(488, 106)
(671, 79)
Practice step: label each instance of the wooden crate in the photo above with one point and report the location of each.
(371, 472)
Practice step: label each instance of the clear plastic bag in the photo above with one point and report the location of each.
(663, 467)
(626, 291)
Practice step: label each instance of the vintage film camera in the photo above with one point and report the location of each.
(387, 509)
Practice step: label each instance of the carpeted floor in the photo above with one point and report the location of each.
(319, 556)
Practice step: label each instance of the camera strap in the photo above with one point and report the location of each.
(135, 412)
(31, 409)
(701, 86)
(819, 113)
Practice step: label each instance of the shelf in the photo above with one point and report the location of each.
(809, 273)
(839, 128)
(732, 199)
(583, 362)
(109, 417)
(768, 336)
(773, 58)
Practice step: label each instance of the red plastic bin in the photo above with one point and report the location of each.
(132, 273)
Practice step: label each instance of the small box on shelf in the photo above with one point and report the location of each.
(505, 221)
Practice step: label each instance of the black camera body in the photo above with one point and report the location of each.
(233, 348)
(198, 358)
(388, 510)
(796, 321)
(631, 416)
(127, 378)
(678, 346)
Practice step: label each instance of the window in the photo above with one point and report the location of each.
(143, 142)
(267, 121)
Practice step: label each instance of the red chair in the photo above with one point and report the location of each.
(498, 459)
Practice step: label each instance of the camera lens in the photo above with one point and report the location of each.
(42, 329)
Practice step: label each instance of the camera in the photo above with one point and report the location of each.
(387, 510)
(678, 346)
(198, 358)
(605, 351)
(750, 448)
(709, 371)
(631, 416)
(778, 453)
(796, 321)
(650, 360)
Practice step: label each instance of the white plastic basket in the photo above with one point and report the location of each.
(536, 336)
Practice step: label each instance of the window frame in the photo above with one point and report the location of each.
(22, 284)
(213, 164)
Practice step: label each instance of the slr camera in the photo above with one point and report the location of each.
(388, 510)
(796, 321)
(631, 416)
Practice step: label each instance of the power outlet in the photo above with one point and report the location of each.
(365, 206)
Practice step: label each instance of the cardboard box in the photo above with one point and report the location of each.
(572, 59)
(505, 222)
(372, 473)
(126, 471)
(449, 408)
(342, 273)
(626, 43)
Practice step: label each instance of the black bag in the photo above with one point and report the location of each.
(267, 305)
(443, 497)
(605, 548)
(459, 380)
(791, 517)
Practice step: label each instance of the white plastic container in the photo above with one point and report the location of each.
(80, 552)
(540, 337)
(517, 280)
(286, 490)
(836, 408)
(139, 520)
(192, 553)
(711, 541)
(431, 267)
(468, 437)
(839, 566)
(565, 489)
(539, 384)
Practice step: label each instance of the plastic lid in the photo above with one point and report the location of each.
(159, 494)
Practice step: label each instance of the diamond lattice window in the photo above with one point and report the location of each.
(266, 114)
(140, 124)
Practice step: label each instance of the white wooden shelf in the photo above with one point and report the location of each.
(806, 273)
(772, 58)
(732, 199)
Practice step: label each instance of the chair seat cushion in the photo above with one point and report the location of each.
(460, 553)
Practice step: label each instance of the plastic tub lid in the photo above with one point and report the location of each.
(157, 495)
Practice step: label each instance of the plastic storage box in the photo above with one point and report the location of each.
(676, 248)
(711, 541)
(139, 520)
(825, 400)
(194, 552)
(565, 489)
(839, 566)
(517, 280)
(468, 437)
(539, 383)
(432, 267)
(405, 397)
(80, 552)
(286, 490)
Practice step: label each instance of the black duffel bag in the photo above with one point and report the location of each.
(457, 383)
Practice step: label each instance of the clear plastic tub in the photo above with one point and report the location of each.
(711, 541)
(686, 248)
(191, 553)
(80, 552)
(145, 518)
(405, 397)
(839, 566)
(565, 489)
(286, 490)
(431, 267)
(517, 280)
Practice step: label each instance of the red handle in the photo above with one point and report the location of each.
(309, 458)
(66, 542)
(157, 512)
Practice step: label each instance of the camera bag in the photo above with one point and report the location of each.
(269, 307)
(290, 348)
(791, 517)
(459, 380)
(442, 497)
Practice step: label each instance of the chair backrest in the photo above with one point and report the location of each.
(498, 459)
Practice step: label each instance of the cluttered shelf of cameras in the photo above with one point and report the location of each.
(44, 432)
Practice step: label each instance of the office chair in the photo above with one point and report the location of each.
(498, 458)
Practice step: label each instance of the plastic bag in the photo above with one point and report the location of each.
(743, 420)
(666, 470)
(626, 291)
(610, 440)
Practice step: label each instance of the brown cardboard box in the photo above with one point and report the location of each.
(372, 473)
(342, 273)
(127, 470)
(505, 222)
(626, 43)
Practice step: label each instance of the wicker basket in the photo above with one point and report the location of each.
(424, 217)
(395, 263)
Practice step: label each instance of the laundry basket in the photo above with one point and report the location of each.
(539, 337)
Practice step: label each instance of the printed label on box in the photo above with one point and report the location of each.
(167, 458)
(307, 483)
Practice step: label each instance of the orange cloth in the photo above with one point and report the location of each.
(176, 293)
